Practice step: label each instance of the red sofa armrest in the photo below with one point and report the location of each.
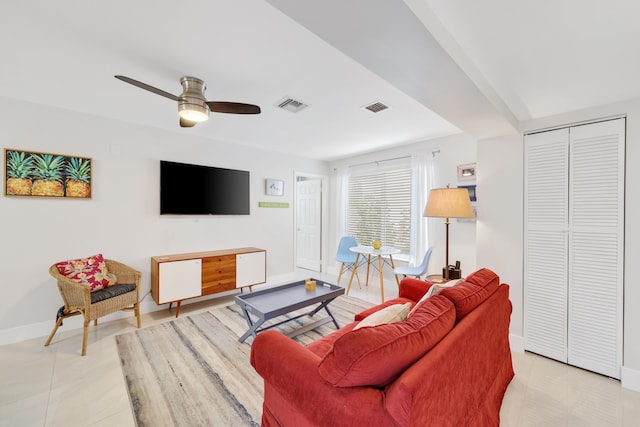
(295, 393)
(413, 289)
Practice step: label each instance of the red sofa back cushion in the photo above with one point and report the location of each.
(468, 294)
(375, 356)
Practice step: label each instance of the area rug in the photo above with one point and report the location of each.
(192, 371)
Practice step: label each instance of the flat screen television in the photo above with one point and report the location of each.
(187, 189)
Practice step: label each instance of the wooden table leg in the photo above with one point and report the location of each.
(368, 266)
(353, 272)
(380, 265)
(393, 266)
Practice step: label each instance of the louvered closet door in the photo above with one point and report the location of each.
(574, 240)
(546, 247)
(596, 212)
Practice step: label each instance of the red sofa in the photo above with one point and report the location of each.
(448, 364)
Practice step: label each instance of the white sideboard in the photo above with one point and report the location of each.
(177, 277)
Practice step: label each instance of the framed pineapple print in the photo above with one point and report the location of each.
(46, 175)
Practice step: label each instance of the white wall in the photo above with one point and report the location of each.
(500, 231)
(454, 150)
(122, 219)
(500, 218)
(448, 153)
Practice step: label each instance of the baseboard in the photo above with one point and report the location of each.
(516, 343)
(27, 332)
(43, 329)
(630, 378)
(147, 305)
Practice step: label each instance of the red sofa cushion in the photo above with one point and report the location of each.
(322, 346)
(377, 355)
(469, 293)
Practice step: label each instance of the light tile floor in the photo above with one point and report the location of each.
(55, 386)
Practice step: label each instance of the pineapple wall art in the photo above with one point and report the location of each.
(46, 175)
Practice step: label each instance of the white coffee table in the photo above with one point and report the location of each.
(382, 254)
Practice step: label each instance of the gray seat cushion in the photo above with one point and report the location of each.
(111, 291)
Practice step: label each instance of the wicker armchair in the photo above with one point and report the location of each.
(78, 298)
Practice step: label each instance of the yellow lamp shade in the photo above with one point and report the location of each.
(449, 203)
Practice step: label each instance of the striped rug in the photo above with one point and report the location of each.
(192, 371)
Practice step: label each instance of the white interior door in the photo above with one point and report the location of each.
(309, 223)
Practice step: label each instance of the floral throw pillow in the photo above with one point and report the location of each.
(91, 270)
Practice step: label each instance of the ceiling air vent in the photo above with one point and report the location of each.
(291, 104)
(376, 107)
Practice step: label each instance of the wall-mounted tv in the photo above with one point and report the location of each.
(187, 189)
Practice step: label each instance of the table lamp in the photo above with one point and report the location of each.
(448, 203)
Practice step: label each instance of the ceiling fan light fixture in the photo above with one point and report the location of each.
(193, 110)
(192, 104)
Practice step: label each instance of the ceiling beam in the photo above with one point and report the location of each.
(391, 41)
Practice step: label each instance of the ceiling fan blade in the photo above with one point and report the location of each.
(147, 87)
(184, 123)
(233, 107)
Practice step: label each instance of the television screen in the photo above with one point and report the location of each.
(202, 190)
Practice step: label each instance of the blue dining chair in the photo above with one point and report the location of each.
(348, 258)
(416, 271)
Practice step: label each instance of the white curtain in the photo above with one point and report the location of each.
(421, 179)
(342, 202)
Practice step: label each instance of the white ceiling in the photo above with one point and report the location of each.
(547, 57)
(443, 66)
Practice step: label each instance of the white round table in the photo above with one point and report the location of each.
(381, 254)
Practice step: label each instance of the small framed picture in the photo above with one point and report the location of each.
(467, 172)
(274, 187)
(472, 191)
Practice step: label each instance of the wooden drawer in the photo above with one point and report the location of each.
(218, 274)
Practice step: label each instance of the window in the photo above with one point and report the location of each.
(379, 207)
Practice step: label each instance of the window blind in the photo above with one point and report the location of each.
(379, 207)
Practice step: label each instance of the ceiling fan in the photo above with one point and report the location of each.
(193, 107)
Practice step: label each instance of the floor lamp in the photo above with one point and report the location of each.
(448, 203)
